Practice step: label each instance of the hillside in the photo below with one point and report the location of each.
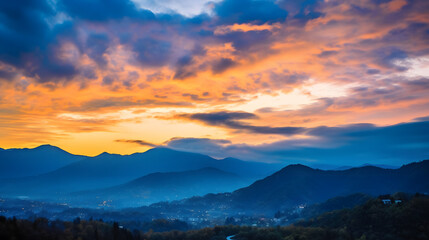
(300, 185)
(157, 187)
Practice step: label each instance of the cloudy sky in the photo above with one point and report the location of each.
(312, 81)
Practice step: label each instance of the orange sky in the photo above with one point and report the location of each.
(354, 63)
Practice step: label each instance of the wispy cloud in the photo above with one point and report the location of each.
(139, 142)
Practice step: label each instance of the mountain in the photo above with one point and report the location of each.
(300, 185)
(107, 170)
(158, 187)
(24, 162)
(366, 165)
(297, 184)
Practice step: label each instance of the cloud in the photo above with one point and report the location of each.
(121, 102)
(222, 65)
(184, 68)
(97, 45)
(232, 120)
(351, 145)
(106, 56)
(109, 79)
(326, 54)
(249, 11)
(25, 40)
(101, 10)
(212, 147)
(194, 97)
(139, 142)
(7, 75)
(152, 52)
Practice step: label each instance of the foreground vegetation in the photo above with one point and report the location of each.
(408, 219)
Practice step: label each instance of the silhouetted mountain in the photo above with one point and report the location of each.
(366, 165)
(158, 187)
(30, 162)
(297, 184)
(107, 170)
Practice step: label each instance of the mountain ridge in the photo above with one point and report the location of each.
(106, 170)
(161, 186)
(297, 184)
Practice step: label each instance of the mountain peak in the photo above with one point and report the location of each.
(297, 167)
(106, 154)
(161, 149)
(48, 147)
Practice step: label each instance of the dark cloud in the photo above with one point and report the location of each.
(88, 72)
(26, 40)
(194, 97)
(32, 33)
(183, 68)
(372, 71)
(121, 102)
(109, 79)
(152, 52)
(414, 32)
(218, 118)
(7, 75)
(243, 42)
(139, 142)
(285, 79)
(351, 145)
(131, 79)
(417, 84)
(102, 10)
(422, 119)
(222, 65)
(249, 11)
(387, 56)
(337, 132)
(232, 120)
(97, 45)
(326, 54)
(212, 147)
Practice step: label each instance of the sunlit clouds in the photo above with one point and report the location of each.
(124, 76)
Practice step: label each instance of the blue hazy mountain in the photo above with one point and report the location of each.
(156, 187)
(29, 162)
(298, 184)
(106, 170)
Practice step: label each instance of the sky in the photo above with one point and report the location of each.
(310, 81)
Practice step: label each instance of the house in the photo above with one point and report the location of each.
(386, 201)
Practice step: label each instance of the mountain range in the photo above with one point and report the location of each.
(300, 185)
(156, 187)
(109, 170)
(163, 174)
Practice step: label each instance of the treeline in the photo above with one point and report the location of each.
(406, 219)
(43, 229)
(374, 220)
